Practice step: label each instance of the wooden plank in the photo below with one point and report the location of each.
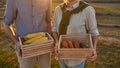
(42, 48)
(91, 42)
(37, 49)
(35, 46)
(76, 49)
(36, 53)
(39, 52)
(75, 53)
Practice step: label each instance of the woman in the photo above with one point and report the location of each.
(75, 17)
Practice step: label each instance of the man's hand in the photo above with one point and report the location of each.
(93, 57)
(57, 52)
(19, 49)
(10, 32)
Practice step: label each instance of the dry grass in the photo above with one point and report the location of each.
(110, 32)
(108, 19)
(111, 8)
(108, 41)
(104, 8)
(8, 59)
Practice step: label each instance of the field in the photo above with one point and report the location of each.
(109, 8)
(108, 20)
(108, 48)
(105, 8)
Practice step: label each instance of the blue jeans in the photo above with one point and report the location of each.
(63, 65)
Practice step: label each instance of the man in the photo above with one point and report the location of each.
(28, 16)
(75, 17)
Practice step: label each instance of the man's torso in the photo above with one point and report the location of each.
(31, 15)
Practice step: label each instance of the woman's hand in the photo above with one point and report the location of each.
(57, 52)
(93, 57)
(94, 54)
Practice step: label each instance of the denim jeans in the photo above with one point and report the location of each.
(63, 65)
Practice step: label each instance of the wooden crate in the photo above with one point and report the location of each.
(37, 49)
(76, 53)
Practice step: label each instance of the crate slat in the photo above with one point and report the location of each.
(38, 45)
(26, 55)
(35, 50)
(37, 53)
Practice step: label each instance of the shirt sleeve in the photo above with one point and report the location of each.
(55, 21)
(10, 12)
(91, 21)
(49, 11)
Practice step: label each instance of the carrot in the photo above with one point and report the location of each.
(70, 44)
(64, 44)
(76, 44)
(83, 45)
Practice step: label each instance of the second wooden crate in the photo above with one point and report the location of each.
(76, 53)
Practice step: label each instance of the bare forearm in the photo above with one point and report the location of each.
(55, 36)
(94, 38)
(49, 26)
(10, 34)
